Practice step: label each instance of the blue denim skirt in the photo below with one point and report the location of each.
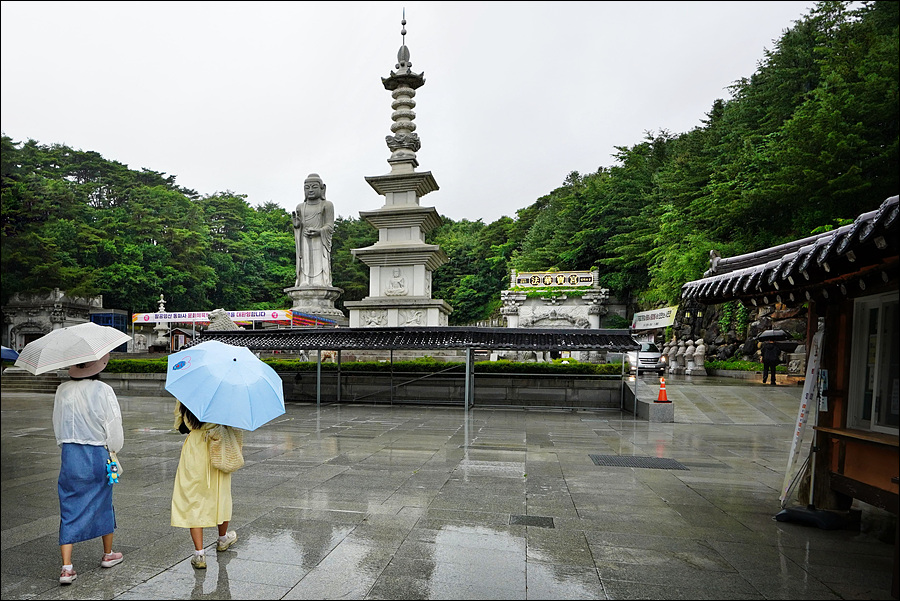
(85, 495)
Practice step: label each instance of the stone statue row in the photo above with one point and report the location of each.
(686, 357)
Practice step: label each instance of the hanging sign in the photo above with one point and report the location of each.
(203, 316)
(658, 318)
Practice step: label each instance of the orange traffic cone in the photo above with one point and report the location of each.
(662, 398)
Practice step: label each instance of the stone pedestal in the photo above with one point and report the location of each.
(317, 301)
(373, 312)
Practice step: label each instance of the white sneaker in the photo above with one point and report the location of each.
(230, 539)
(67, 576)
(111, 559)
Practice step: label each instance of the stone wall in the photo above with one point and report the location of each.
(740, 341)
(513, 390)
(517, 390)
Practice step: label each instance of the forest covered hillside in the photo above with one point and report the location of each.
(805, 143)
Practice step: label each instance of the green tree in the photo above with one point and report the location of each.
(809, 140)
(347, 272)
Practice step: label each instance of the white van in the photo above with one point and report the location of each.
(648, 358)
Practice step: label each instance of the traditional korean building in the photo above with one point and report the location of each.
(848, 278)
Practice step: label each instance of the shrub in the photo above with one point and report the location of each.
(616, 322)
(137, 366)
(738, 365)
(573, 367)
(420, 365)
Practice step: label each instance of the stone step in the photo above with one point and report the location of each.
(19, 380)
(29, 382)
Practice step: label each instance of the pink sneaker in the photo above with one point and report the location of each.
(67, 576)
(111, 559)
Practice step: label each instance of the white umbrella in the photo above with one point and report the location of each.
(69, 346)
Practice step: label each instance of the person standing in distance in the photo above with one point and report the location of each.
(87, 422)
(770, 359)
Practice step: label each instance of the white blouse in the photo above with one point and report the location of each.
(87, 412)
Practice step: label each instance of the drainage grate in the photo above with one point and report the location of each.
(531, 520)
(657, 463)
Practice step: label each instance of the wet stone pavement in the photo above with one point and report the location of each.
(415, 502)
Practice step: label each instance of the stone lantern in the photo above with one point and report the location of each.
(162, 329)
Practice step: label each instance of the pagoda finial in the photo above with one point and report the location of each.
(404, 142)
(403, 63)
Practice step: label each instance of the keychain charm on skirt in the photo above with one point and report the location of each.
(112, 471)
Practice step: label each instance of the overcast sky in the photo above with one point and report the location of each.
(250, 97)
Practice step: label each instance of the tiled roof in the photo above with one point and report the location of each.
(855, 255)
(426, 338)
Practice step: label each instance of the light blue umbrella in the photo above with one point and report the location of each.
(225, 384)
(8, 354)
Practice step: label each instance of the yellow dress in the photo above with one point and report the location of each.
(202, 494)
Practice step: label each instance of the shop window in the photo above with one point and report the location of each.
(875, 364)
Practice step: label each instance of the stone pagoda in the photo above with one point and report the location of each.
(401, 263)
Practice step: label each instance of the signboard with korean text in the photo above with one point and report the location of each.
(657, 318)
(554, 279)
(203, 316)
(810, 396)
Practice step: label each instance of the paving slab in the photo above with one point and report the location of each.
(380, 501)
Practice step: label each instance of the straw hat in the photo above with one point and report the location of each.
(91, 368)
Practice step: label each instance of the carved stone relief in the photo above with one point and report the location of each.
(411, 317)
(375, 317)
(406, 141)
(396, 285)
